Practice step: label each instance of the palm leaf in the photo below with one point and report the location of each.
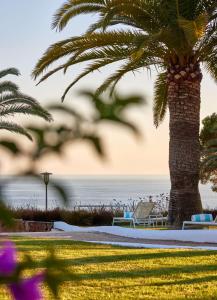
(67, 12)
(104, 53)
(131, 65)
(92, 67)
(13, 127)
(193, 29)
(8, 86)
(53, 53)
(65, 109)
(25, 110)
(211, 65)
(9, 71)
(87, 42)
(160, 99)
(30, 104)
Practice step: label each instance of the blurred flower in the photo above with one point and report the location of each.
(7, 259)
(27, 289)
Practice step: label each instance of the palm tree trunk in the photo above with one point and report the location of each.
(184, 150)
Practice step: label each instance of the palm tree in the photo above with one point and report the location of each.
(12, 102)
(172, 36)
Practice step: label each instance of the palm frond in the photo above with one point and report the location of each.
(116, 77)
(66, 110)
(132, 65)
(53, 53)
(13, 102)
(105, 52)
(193, 29)
(78, 45)
(141, 13)
(29, 103)
(100, 24)
(98, 64)
(112, 108)
(13, 127)
(205, 47)
(160, 98)
(8, 87)
(9, 71)
(13, 109)
(69, 11)
(211, 65)
(108, 55)
(25, 110)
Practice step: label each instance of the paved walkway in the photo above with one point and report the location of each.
(103, 237)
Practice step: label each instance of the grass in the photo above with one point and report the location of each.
(108, 272)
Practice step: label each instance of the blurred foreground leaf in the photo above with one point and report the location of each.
(11, 147)
(5, 216)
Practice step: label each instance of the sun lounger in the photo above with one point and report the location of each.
(200, 220)
(159, 219)
(141, 215)
(128, 217)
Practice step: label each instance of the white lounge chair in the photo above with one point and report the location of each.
(200, 220)
(141, 215)
(158, 219)
(128, 217)
(144, 217)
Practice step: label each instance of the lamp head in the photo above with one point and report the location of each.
(46, 176)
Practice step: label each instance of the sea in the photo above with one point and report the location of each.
(27, 192)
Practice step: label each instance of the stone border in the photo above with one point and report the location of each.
(28, 226)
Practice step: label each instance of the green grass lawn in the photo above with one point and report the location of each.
(108, 272)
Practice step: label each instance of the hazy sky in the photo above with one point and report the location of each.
(26, 33)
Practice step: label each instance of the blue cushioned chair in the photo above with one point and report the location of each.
(201, 220)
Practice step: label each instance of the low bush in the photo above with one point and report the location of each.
(83, 217)
(94, 217)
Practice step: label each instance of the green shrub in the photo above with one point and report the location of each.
(94, 217)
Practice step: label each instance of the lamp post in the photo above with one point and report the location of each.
(46, 177)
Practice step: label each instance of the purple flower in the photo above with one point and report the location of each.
(24, 289)
(7, 259)
(27, 288)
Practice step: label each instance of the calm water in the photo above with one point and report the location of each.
(94, 190)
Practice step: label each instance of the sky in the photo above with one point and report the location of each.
(25, 34)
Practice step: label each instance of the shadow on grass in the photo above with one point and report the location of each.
(36, 244)
(145, 274)
(141, 256)
(155, 273)
(126, 256)
(188, 281)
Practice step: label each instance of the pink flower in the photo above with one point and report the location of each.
(27, 289)
(7, 259)
(24, 289)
